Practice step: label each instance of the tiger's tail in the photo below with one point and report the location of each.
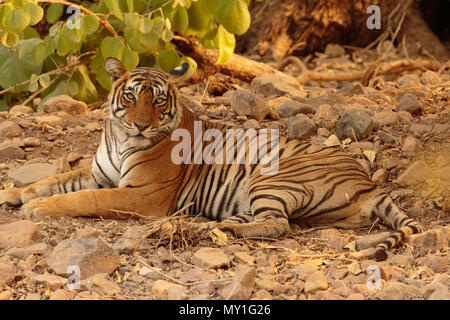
(388, 211)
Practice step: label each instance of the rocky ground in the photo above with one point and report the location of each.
(398, 128)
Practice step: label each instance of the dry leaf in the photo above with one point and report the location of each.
(219, 237)
(354, 268)
(351, 246)
(314, 262)
(167, 228)
(332, 141)
(370, 155)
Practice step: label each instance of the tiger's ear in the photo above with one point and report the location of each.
(179, 74)
(115, 68)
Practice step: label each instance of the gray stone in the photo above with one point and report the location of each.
(408, 81)
(9, 129)
(10, 151)
(385, 137)
(91, 255)
(408, 102)
(242, 285)
(64, 103)
(30, 173)
(274, 85)
(356, 119)
(212, 258)
(130, 240)
(291, 108)
(352, 88)
(246, 103)
(301, 127)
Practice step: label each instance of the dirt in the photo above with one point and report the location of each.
(307, 264)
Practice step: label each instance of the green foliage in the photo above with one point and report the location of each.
(38, 38)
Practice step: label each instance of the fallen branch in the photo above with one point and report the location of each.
(237, 66)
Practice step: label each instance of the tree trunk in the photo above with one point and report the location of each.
(299, 27)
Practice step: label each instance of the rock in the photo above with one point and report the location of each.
(324, 132)
(49, 281)
(9, 129)
(411, 146)
(419, 130)
(437, 288)
(386, 137)
(90, 255)
(435, 263)
(160, 289)
(386, 118)
(242, 285)
(417, 172)
(334, 50)
(303, 271)
(274, 85)
(64, 103)
(130, 240)
(251, 124)
(17, 109)
(291, 108)
(31, 142)
(265, 284)
(246, 103)
(60, 294)
(99, 284)
(326, 112)
(19, 234)
(288, 244)
(356, 119)
(30, 173)
(429, 77)
(49, 120)
(211, 258)
(380, 176)
(7, 273)
(440, 129)
(334, 100)
(408, 102)
(301, 127)
(92, 127)
(398, 291)
(355, 296)
(371, 240)
(315, 282)
(434, 239)
(245, 257)
(352, 88)
(328, 234)
(408, 81)
(10, 151)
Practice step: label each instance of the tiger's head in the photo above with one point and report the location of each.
(144, 100)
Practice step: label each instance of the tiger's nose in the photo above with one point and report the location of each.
(141, 125)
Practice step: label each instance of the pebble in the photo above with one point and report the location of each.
(31, 142)
(30, 173)
(9, 129)
(274, 85)
(49, 281)
(242, 285)
(398, 291)
(19, 234)
(435, 263)
(245, 257)
(408, 81)
(386, 137)
(91, 255)
(380, 176)
(409, 103)
(53, 121)
(315, 282)
(18, 109)
(291, 108)
(429, 77)
(212, 258)
(160, 289)
(301, 127)
(356, 119)
(64, 103)
(10, 151)
(7, 273)
(130, 240)
(99, 283)
(6, 295)
(246, 103)
(417, 172)
(411, 146)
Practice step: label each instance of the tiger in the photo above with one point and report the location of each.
(134, 170)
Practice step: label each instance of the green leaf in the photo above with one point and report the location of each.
(166, 35)
(130, 58)
(168, 59)
(132, 19)
(39, 53)
(44, 80)
(180, 20)
(63, 41)
(114, 7)
(72, 88)
(232, 14)
(87, 91)
(103, 78)
(34, 11)
(29, 33)
(226, 41)
(130, 5)
(90, 23)
(16, 20)
(145, 25)
(54, 12)
(9, 39)
(111, 47)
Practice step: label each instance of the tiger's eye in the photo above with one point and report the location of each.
(159, 100)
(129, 96)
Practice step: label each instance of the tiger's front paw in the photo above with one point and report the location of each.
(11, 197)
(39, 207)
